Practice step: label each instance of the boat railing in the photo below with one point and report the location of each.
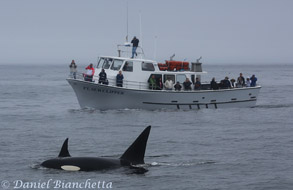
(77, 75)
(112, 82)
(139, 85)
(126, 50)
(130, 84)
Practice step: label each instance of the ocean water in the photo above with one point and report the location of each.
(247, 148)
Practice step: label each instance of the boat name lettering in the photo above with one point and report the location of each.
(103, 90)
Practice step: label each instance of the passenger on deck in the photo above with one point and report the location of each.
(226, 83)
(73, 69)
(233, 83)
(160, 84)
(187, 84)
(214, 84)
(90, 71)
(177, 86)
(119, 79)
(103, 77)
(197, 84)
(247, 82)
(253, 80)
(240, 81)
(169, 84)
(152, 82)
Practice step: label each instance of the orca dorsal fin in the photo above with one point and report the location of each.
(135, 153)
(64, 150)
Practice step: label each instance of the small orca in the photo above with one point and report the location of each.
(132, 156)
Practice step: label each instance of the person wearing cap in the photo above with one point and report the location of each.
(134, 42)
(226, 83)
(103, 77)
(177, 86)
(253, 80)
(233, 83)
(197, 84)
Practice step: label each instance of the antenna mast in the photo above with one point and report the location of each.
(155, 48)
(140, 30)
(127, 21)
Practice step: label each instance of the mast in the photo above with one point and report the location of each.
(140, 30)
(155, 48)
(127, 21)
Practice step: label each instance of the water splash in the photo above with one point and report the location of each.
(185, 164)
(275, 106)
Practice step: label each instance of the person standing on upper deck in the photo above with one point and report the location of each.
(134, 42)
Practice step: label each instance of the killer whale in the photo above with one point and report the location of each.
(132, 156)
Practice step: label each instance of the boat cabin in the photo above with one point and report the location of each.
(137, 72)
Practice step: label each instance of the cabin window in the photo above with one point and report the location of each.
(159, 84)
(180, 78)
(116, 64)
(107, 63)
(100, 63)
(147, 66)
(128, 66)
(172, 77)
(193, 79)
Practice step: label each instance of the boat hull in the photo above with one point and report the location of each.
(104, 97)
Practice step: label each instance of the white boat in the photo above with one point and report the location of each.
(136, 92)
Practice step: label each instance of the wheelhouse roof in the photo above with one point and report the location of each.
(128, 59)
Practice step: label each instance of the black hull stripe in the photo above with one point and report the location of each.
(214, 103)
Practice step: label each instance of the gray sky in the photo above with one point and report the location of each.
(222, 31)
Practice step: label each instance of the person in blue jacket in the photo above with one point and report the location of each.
(253, 80)
(119, 79)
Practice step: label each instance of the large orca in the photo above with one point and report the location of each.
(132, 156)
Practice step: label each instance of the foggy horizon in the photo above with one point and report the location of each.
(222, 32)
